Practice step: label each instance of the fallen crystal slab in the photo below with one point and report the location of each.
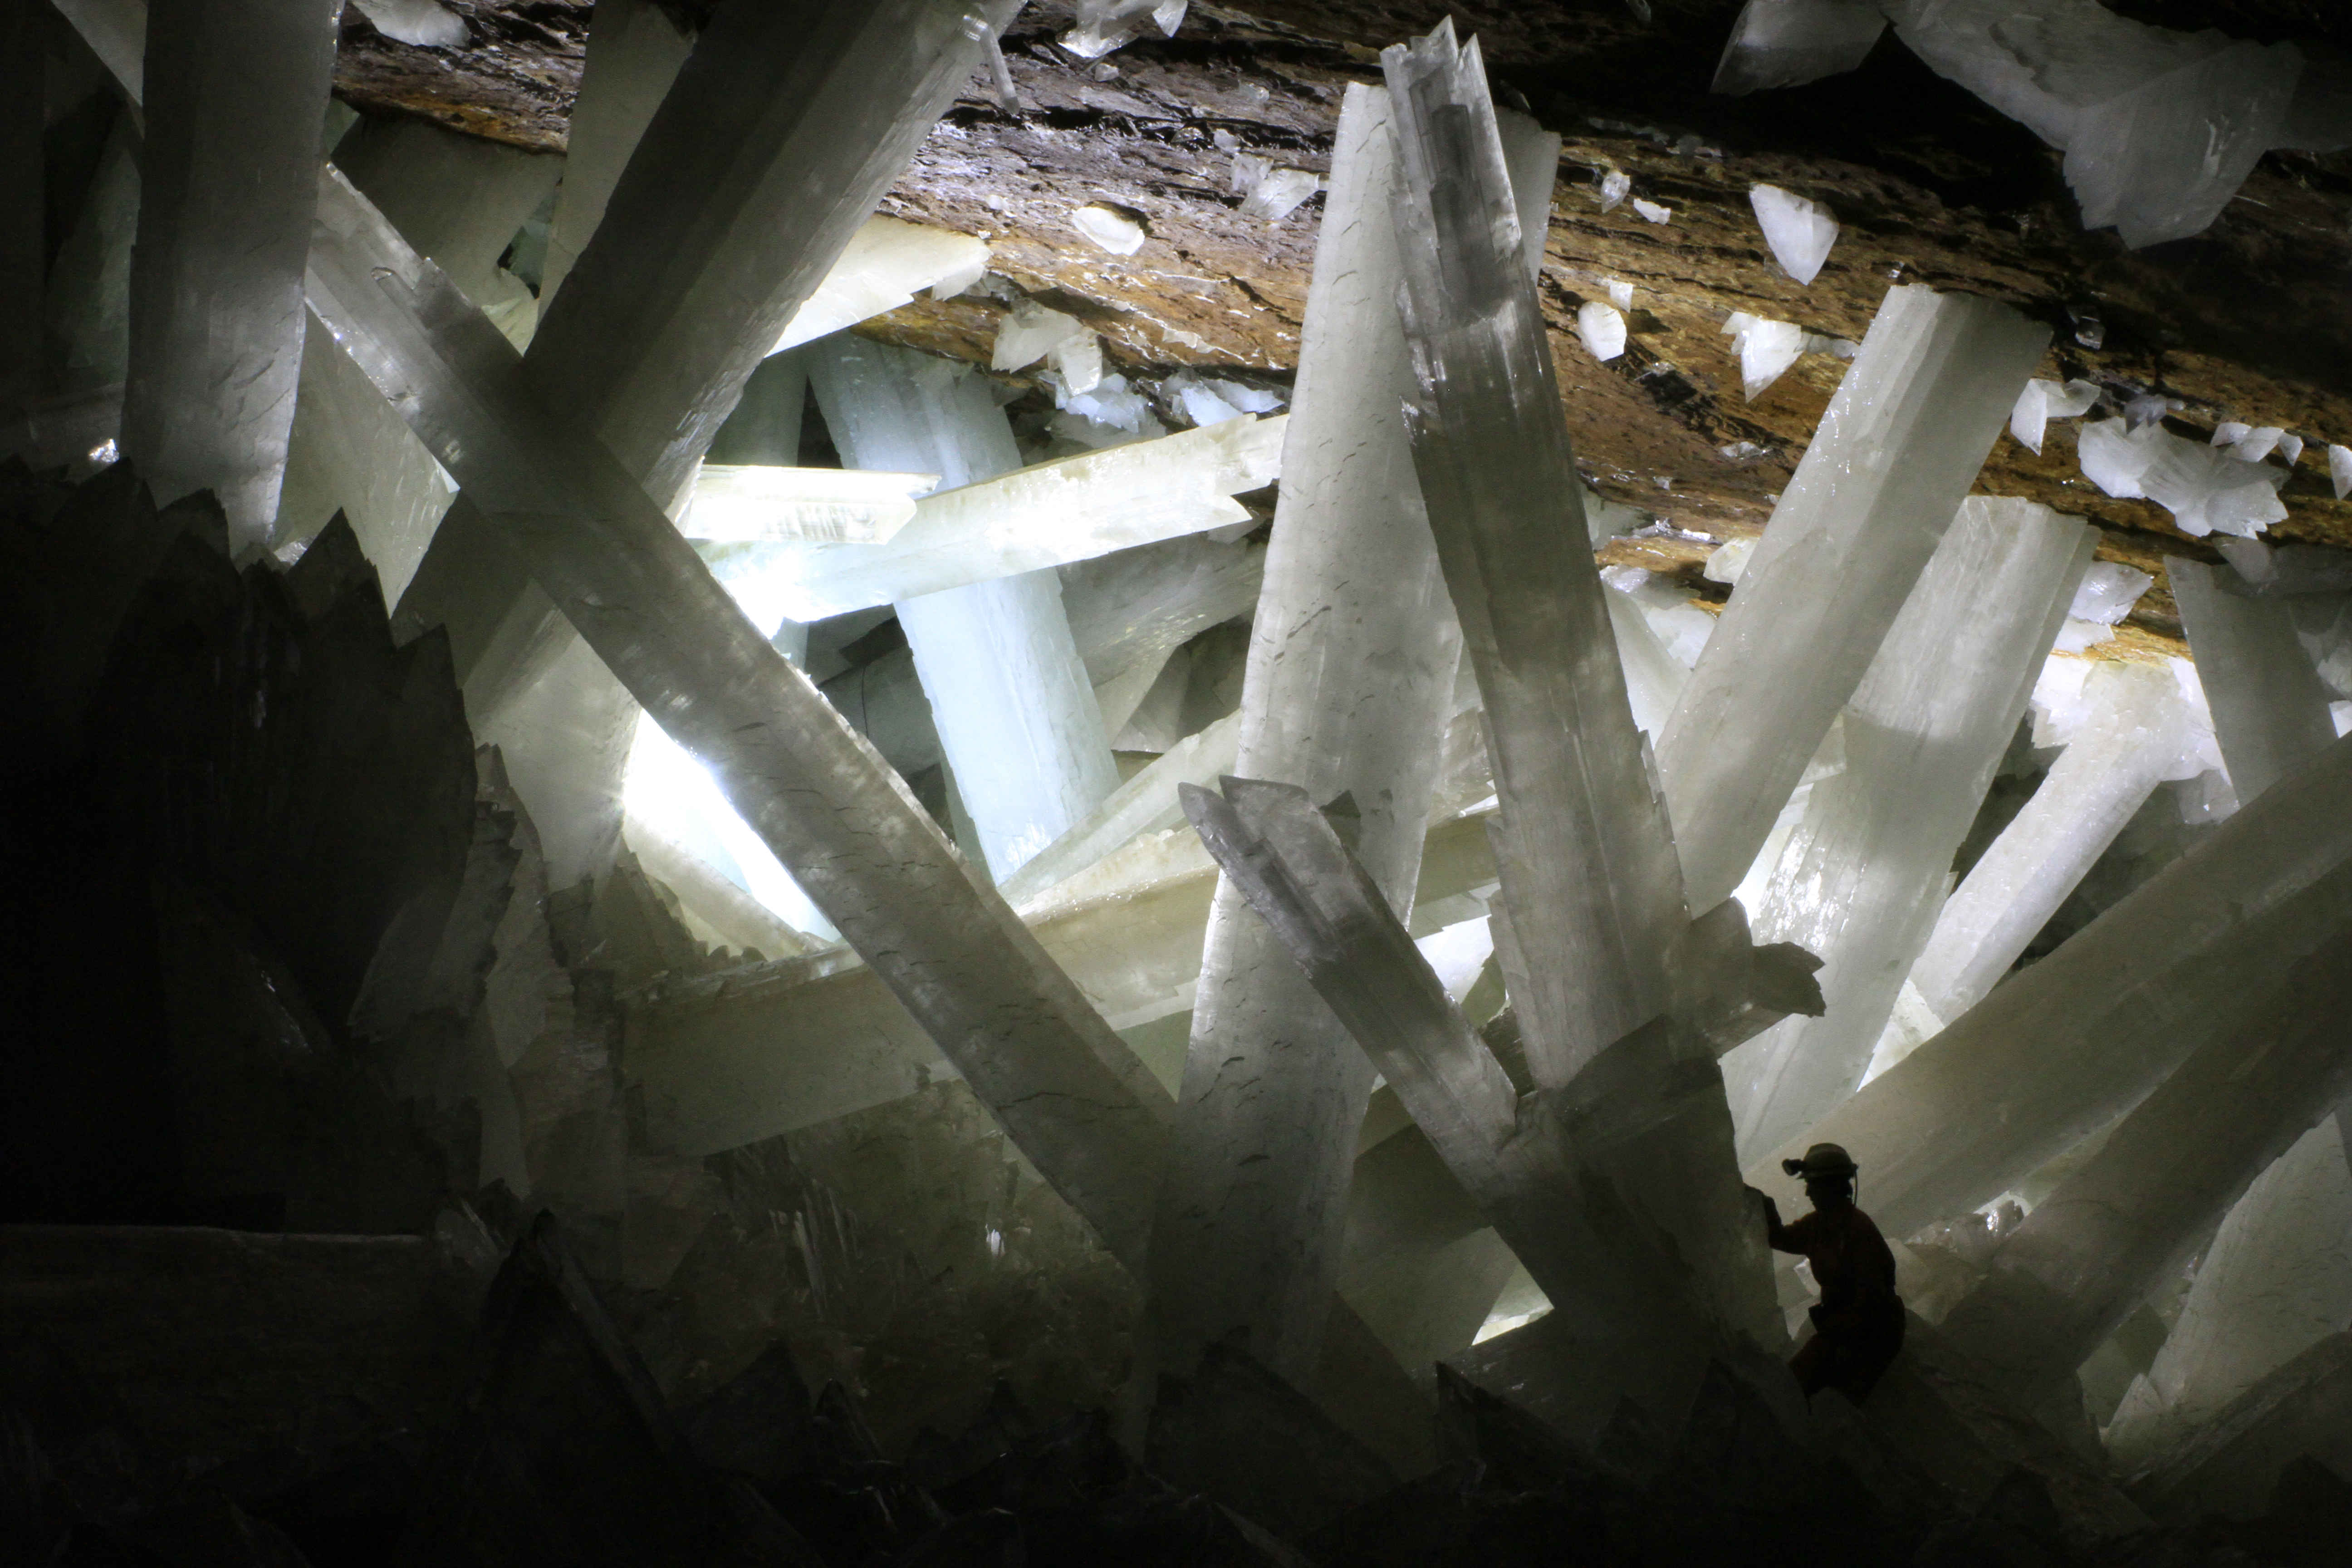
(2233, 1464)
(2062, 1048)
(2339, 470)
(1859, 877)
(1799, 232)
(1897, 449)
(2270, 708)
(885, 265)
(749, 502)
(1050, 515)
(1787, 43)
(2135, 736)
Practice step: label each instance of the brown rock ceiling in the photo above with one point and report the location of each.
(2243, 322)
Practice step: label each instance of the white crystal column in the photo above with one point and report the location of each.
(350, 453)
(22, 229)
(2076, 1039)
(235, 93)
(773, 142)
(1069, 1093)
(459, 200)
(1886, 469)
(2269, 707)
(1862, 876)
(1350, 674)
(2130, 741)
(1015, 713)
(635, 50)
(1591, 888)
(2132, 1216)
(2275, 1281)
(786, 121)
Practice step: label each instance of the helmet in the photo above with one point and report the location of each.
(1822, 1160)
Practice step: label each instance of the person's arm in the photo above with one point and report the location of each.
(1779, 1236)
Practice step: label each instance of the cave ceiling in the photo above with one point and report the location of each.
(2244, 322)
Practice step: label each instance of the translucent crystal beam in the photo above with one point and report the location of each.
(1131, 609)
(1049, 515)
(755, 503)
(235, 90)
(1587, 866)
(635, 50)
(2131, 742)
(459, 200)
(786, 122)
(2269, 707)
(1861, 877)
(772, 144)
(731, 1059)
(885, 265)
(2132, 1217)
(348, 452)
(1514, 1156)
(1068, 1092)
(2277, 1280)
(1884, 474)
(1350, 677)
(1590, 880)
(2069, 1043)
(1144, 804)
(1015, 713)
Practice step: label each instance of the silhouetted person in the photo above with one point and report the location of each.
(1858, 1321)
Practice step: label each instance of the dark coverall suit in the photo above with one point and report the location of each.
(1858, 1321)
